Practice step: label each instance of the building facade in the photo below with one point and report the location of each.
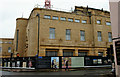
(6, 47)
(83, 32)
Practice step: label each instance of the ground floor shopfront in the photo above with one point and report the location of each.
(71, 51)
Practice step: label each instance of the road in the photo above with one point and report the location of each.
(96, 72)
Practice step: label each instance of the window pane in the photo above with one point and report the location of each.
(52, 33)
(68, 34)
(47, 16)
(100, 53)
(51, 53)
(82, 53)
(77, 20)
(70, 19)
(0, 49)
(9, 49)
(84, 21)
(63, 18)
(109, 36)
(98, 21)
(108, 23)
(67, 53)
(99, 36)
(82, 35)
(55, 18)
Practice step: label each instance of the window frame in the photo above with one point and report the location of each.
(51, 33)
(109, 23)
(82, 35)
(47, 16)
(55, 17)
(76, 20)
(99, 36)
(63, 18)
(83, 21)
(110, 37)
(68, 35)
(70, 19)
(99, 22)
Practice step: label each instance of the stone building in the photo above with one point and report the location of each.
(85, 31)
(6, 47)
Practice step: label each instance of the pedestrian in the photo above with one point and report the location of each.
(66, 63)
(52, 63)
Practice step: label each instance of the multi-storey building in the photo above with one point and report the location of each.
(85, 31)
(6, 47)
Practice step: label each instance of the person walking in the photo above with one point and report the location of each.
(66, 65)
(52, 63)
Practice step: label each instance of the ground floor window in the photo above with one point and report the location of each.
(67, 53)
(51, 53)
(100, 53)
(82, 53)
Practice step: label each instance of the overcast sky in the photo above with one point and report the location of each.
(12, 9)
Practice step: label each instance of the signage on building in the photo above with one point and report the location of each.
(117, 46)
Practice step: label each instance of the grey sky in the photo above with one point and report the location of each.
(12, 9)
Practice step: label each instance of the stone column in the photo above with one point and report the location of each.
(60, 53)
(76, 52)
(42, 52)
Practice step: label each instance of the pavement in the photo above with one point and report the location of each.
(81, 73)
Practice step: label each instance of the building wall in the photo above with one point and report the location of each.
(91, 44)
(5, 43)
(20, 36)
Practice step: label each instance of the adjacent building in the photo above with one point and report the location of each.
(84, 32)
(6, 47)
